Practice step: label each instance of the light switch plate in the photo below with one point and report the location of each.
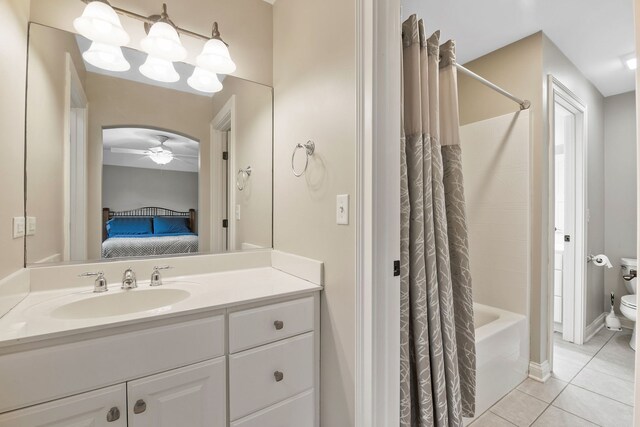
(31, 225)
(18, 227)
(342, 209)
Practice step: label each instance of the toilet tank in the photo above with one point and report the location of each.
(629, 264)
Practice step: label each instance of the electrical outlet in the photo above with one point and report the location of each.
(342, 209)
(18, 227)
(31, 225)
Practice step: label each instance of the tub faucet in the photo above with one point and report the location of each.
(129, 279)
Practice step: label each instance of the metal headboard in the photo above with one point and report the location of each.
(147, 211)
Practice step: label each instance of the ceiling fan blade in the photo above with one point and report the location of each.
(128, 151)
(185, 155)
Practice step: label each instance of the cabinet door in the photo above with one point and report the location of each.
(193, 396)
(100, 408)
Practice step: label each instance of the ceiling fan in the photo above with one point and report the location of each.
(160, 155)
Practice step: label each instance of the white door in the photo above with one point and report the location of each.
(194, 396)
(100, 408)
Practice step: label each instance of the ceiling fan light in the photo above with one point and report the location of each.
(215, 57)
(106, 56)
(163, 42)
(160, 70)
(204, 81)
(161, 156)
(100, 23)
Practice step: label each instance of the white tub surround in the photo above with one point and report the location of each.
(68, 352)
(502, 353)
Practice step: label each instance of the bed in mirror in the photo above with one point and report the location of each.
(120, 165)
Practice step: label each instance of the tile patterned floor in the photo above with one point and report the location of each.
(592, 385)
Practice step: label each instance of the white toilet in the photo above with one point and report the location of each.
(628, 304)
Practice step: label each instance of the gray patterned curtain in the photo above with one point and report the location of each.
(438, 363)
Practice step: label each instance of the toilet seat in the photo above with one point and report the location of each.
(629, 301)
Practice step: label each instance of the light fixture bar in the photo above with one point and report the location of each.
(147, 20)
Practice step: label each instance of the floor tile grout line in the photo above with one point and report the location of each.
(602, 395)
(498, 415)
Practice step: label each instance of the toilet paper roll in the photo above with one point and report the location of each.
(602, 260)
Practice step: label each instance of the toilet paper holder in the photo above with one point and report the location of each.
(599, 260)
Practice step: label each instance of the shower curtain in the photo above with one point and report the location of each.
(438, 372)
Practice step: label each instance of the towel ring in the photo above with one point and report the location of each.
(242, 177)
(309, 148)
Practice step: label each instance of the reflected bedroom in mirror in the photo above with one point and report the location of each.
(127, 158)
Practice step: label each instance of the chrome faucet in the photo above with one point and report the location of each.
(129, 279)
(100, 285)
(156, 278)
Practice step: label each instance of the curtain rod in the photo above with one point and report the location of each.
(524, 104)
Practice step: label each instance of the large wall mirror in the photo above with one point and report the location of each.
(119, 165)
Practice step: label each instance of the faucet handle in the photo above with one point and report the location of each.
(100, 284)
(129, 279)
(156, 278)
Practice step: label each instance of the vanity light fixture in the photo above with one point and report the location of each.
(100, 24)
(215, 55)
(106, 56)
(159, 69)
(204, 81)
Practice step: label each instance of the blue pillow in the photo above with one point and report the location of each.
(134, 226)
(170, 225)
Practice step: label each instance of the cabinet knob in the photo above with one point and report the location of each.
(113, 415)
(279, 376)
(279, 324)
(139, 407)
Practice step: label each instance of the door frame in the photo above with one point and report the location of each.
(223, 122)
(378, 95)
(557, 92)
(75, 163)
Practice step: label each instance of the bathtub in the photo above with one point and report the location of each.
(502, 353)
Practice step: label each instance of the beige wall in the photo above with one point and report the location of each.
(117, 102)
(254, 142)
(315, 98)
(14, 15)
(620, 199)
(47, 135)
(245, 24)
(557, 64)
(495, 164)
(518, 69)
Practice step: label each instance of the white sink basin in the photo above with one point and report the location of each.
(121, 303)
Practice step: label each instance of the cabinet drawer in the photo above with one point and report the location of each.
(298, 411)
(262, 325)
(86, 409)
(254, 375)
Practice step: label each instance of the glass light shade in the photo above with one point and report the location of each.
(160, 70)
(163, 42)
(204, 81)
(161, 156)
(215, 57)
(100, 23)
(106, 56)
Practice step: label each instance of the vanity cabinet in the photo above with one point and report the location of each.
(245, 366)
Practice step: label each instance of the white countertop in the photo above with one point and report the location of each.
(30, 321)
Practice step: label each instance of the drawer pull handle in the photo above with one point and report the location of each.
(113, 415)
(279, 376)
(279, 324)
(139, 407)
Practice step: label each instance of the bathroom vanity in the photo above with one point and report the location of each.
(236, 348)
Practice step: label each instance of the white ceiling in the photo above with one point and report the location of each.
(593, 34)
(143, 139)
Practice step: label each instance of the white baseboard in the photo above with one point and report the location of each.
(594, 327)
(540, 371)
